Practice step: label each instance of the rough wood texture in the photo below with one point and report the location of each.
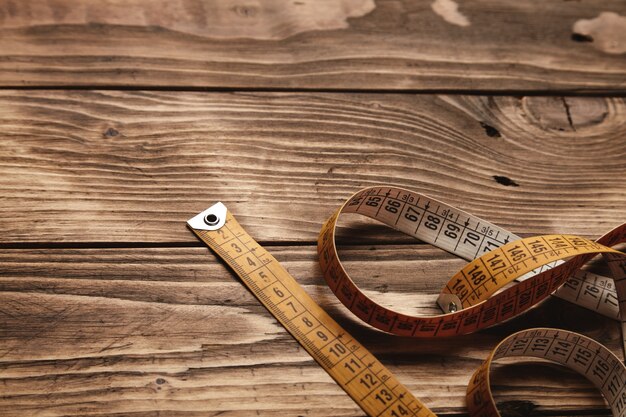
(152, 331)
(108, 304)
(133, 166)
(333, 44)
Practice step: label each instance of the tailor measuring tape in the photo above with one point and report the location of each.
(497, 258)
(573, 350)
(355, 369)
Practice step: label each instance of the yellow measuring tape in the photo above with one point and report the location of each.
(466, 298)
(498, 258)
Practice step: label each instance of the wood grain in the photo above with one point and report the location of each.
(324, 44)
(149, 331)
(110, 166)
(109, 306)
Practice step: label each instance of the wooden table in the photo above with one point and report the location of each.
(121, 120)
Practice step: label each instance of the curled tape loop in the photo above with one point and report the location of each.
(541, 263)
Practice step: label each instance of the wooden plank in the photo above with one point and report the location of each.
(169, 330)
(83, 166)
(347, 44)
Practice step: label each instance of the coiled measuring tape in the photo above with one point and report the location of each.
(356, 370)
(497, 258)
(575, 351)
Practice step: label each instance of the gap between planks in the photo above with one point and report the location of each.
(400, 91)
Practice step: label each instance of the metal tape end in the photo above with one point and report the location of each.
(449, 303)
(212, 218)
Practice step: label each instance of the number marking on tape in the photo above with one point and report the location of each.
(497, 257)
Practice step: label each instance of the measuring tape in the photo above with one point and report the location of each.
(573, 350)
(356, 370)
(497, 258)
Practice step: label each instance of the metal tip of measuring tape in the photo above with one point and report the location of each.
(449, 303)
(212, 218)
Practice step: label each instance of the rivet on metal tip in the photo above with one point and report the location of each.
(452, 307)
(211, 219)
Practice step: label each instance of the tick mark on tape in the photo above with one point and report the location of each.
(506, 181)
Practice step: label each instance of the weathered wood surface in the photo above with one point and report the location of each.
(170, 331)
(89, 166)
(332, 44)
(108, 304)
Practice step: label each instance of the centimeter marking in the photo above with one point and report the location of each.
(503, 263)
(362, 376)
(469, 237)
(355, 369)
(472, 298)
(484, 312)
(575, 351)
